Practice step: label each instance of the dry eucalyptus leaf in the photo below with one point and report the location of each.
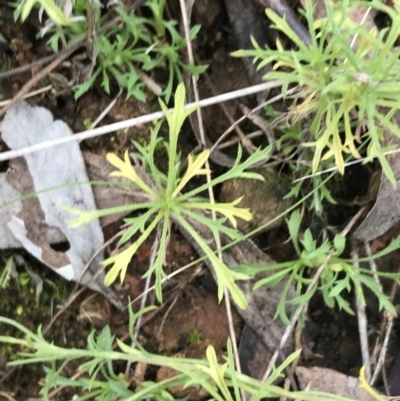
(360, 15)
(106, 196)
(247, 23)
(331, 381)
(386, 211)
(23, 126)
(253, 353)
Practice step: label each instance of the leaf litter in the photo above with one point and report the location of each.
(13, 191)
(58, 167)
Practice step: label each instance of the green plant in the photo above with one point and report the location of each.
(7, 272)
(167, 204)
(220, 380)
(287, 145)
(120, 49)
(194, 337)
(147, 43)
(77, 28)
(51, 8)
(341, 84)
(339, 274)
(2, 38)
(367, 387)
(87, 122)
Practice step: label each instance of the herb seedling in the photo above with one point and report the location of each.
(341, 84)
(167, 203)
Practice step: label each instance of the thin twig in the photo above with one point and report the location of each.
(236, 139)
(105, 26)
(259, 107)
(385, 382)
(388, 317)
(106, 110)
(261, 123)
(372, 263)
(149, 82)
(296, 315)
(75, 294)
(388, 326)
(169, 277)
(362, 323)
(153, 255)
(303, 308)
(179, 290)
(163, 320)
(335, 168)
(28, 95)
(36, 78)
(210, 189)
(245, 139)
(6, 396)
(8, 374)
(135, 121)
(39, 63)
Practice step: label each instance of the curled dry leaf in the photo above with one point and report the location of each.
(106, 196)
(386, 211)
(360, 15)
(40, 216)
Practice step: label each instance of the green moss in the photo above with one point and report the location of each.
(193, 337)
